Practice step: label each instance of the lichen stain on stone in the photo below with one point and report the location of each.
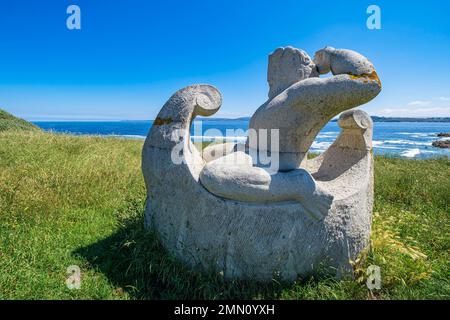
(162, 121)
(366, 77)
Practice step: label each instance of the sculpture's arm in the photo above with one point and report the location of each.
(304, 108)
(354, 82)
(354, 72)
(334, 95)
(327, 96)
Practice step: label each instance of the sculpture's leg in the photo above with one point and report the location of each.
(234, 177)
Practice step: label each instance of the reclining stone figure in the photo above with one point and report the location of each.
(299, 105)
(224, 211)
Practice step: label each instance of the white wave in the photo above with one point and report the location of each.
(423, 135)
(387, 147)
(411, 153)
(409, 142)
(418, 134)
(382, 145)
(328, 134)
(320, 145)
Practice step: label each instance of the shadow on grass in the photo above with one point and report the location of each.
(134, 260)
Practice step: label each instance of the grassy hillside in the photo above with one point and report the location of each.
(68, 200)
(9, 122)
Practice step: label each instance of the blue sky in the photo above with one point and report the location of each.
(130, 56)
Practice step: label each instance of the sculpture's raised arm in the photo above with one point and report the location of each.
(304, 107)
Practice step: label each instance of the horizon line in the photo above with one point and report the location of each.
(200, 118)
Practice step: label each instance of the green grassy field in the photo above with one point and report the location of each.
(10, 122)
(68, 200)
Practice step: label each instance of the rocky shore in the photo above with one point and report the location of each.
(442, 143)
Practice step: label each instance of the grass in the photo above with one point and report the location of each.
(9, 122)
(67, 200)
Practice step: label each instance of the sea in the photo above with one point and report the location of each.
(401, 139)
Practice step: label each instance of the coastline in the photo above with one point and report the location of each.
(405, 139)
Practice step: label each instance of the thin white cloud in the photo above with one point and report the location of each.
(437, 106)
(415, 112)
(419, 103)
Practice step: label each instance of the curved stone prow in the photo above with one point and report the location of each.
(174, 120)
(171, 128)
(168, 153)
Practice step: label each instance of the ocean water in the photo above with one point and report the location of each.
(404, 139)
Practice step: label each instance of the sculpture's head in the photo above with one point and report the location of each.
(287, 66)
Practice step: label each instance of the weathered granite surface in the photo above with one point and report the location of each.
(228, 214)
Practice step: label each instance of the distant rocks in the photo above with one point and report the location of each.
(444, 144)
(441, 144)
(444, 134)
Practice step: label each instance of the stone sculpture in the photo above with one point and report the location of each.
(224, 211)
